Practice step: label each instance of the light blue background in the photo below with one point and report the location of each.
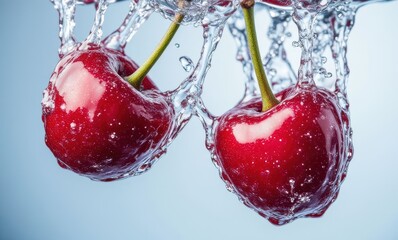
(182, 197)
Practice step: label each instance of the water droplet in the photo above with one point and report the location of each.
(328, 75)
(291, 182)
(186, 63)
(272, 72)
(113, 135)
(296, 44)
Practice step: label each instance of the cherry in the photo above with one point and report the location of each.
(286, 162)
(96, 123)
(282, 155)
(103, 117)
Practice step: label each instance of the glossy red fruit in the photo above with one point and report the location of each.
(287, 162)
(96, 123)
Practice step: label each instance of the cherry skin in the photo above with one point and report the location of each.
(96, 123)
(287, 162)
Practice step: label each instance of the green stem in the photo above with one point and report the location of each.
(136, 78)
(267, 96)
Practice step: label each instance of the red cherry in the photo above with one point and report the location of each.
(96, 123)
(284, 163)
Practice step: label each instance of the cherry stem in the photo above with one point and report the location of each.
(268, 98)
(136, 78)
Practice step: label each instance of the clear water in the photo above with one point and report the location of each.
(323, 26)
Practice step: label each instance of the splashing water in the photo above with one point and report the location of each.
(280, 72)
(137, 15)
(323, 26)
(237, 28)
(66, 12)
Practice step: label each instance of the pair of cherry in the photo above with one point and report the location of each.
(282, 155)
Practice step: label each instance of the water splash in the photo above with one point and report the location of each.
(137, 15)
(66, 11)
(194, 10)
(187, 97)
(237, 28)
(279, 70)
(304, 16)
(324, 26)
(96, 30)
